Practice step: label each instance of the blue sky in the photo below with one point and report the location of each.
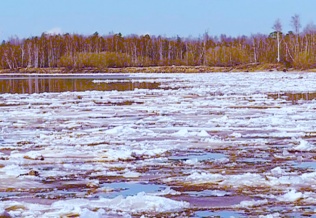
(25, 18)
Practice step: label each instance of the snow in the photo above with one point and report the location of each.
(181, 133)
(131, 174)
(167, 191)
(203, 133)
(193, 161)
(278, 171)
(204, 177)
(291, 196)
(132, 204)
(78, 144)
(304, 146)
(273, 215)
(252, 203)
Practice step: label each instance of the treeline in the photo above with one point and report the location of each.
(294, 49)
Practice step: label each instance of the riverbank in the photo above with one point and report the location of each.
(160, 69)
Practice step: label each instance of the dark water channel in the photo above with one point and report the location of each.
(40, 84)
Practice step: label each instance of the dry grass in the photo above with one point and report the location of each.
(253, 67)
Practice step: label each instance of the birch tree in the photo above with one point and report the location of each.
(278, 29)
(296, 23)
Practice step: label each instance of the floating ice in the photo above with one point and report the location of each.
(132, 204)
(235, 135)
(181, 133)
(166, 191)
(203, 133)
(291, 196)
(252, 203)
(305, 146)
(192, 161)
(138, 203)
(86, 213)
(273, 215)
(131, 174)
(204, 177)
(278, 171)
(78, 141)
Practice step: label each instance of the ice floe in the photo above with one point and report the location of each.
(69, 146)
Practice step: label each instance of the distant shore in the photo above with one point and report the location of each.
(159, 69)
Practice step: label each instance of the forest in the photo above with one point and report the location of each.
(294, 49)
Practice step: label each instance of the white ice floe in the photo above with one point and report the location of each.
(203, 177)
(252, 203)
(203, 133)
(290, 196)
(121, 130)
(278, 171)
(273, 215)
(166, 191)
(304, 146)
(132, 204)
(277, 178)
(235, 135)
(12, 170)
(247, 179)
(131, 174)
(192, 161)
(223, 160)
(80, 138)
(181, 133)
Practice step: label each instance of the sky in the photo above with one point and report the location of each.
(185, 18)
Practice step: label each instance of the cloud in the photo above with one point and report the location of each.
(54, 31)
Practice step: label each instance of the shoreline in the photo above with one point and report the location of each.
(158, 69)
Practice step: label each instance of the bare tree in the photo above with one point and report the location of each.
(278, 29)
(296, 23)
(310, 28)
(309, 33)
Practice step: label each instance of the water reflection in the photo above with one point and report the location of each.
(294, 97)
(223, 213)
(129, 188)
(305, 165)
(183, 156)
(40, 84)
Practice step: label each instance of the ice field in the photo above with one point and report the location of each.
(169, 145)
